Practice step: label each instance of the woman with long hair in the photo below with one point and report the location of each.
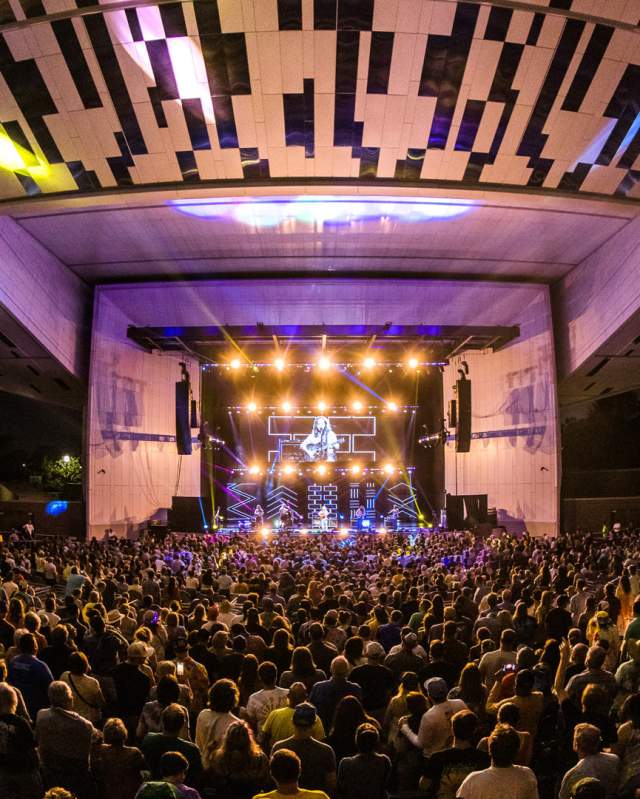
(348, 717)
(471, 689)
(280, 651)
(397, 707)
(525, 626)
(303, 670)
(409, 760)
(354, 651)
(239, 768)
(248, 682)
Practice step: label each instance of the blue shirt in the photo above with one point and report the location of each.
(326, 694)
(32, 677)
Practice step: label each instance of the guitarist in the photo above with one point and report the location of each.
(321, 444)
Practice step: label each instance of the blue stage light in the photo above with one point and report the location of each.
(56, 507)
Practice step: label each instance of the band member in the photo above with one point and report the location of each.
(258, 516)
(321, 444)
(393, 518)
(217, 519)
(360, 516)
(323, 519)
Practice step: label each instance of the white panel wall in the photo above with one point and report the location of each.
(132, 393)
(44, 296)
(514, 411)
(596, 298)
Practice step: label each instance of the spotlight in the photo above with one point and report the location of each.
(324, 363)
(252, 407)
(286, 406)
(357, 406)
(289, 469)
(322, 406)
(344, 531)
(279, 364)
(66, 458)
(392, 406)
(388, 468)
(381, 530)
(369, 362)
(412, 363)
(265, 530)
(235, 363)
(321, 470)
(255, 469)
(356, 468)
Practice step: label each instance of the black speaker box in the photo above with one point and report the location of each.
(183, 428)
(463, 431)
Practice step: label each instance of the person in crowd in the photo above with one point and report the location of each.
(365, 775)
(155, 744)
(279, 723)
(326, 694)
(174, 768)
(445, 770)
(303, 669)
(269, 697)
(65, 740)
(435, 726)
(213, 721)
(317, 759)
(375, 679)
(348, 717)
(167, 693)
(31, 676)
(502, 778)
(88, 700)
(116, 768)
(285, 769)
(19, 768)
(591, 763)
(239, 768)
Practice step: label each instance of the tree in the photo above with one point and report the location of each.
(57, 472)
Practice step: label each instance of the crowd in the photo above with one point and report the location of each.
(311, 666)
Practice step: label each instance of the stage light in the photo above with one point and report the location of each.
(252, 407)
(286, 406)
(413, 363)
(392, 406)
(255, 469)
(324, 363)
(265, 530)
(66, 458)
(381, 530)
(322, 406)
(321, 470)
(280, 364)
(289, 468)
(388, 468)
(235, 363)
(369, 362)
(357, 406)
(356, 469)
(344, 531)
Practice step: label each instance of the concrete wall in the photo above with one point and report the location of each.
(133, 468)
(514, 449)
(514, 390)
(46, 298)
(597, 298)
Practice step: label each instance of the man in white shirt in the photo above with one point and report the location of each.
(261, 703)
(502, 779)
(603, 766)
(492, 662)
(435, 731)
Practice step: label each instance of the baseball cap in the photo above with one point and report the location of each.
(304, 715)
(436, 688)
(374, 650)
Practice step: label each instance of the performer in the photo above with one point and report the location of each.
(360, 516)
(217, 518)
(321, 444)
(323, 519)
(286, 516)
(258, 516)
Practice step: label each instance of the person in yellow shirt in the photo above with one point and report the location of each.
(285, 772)
(279, 723)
